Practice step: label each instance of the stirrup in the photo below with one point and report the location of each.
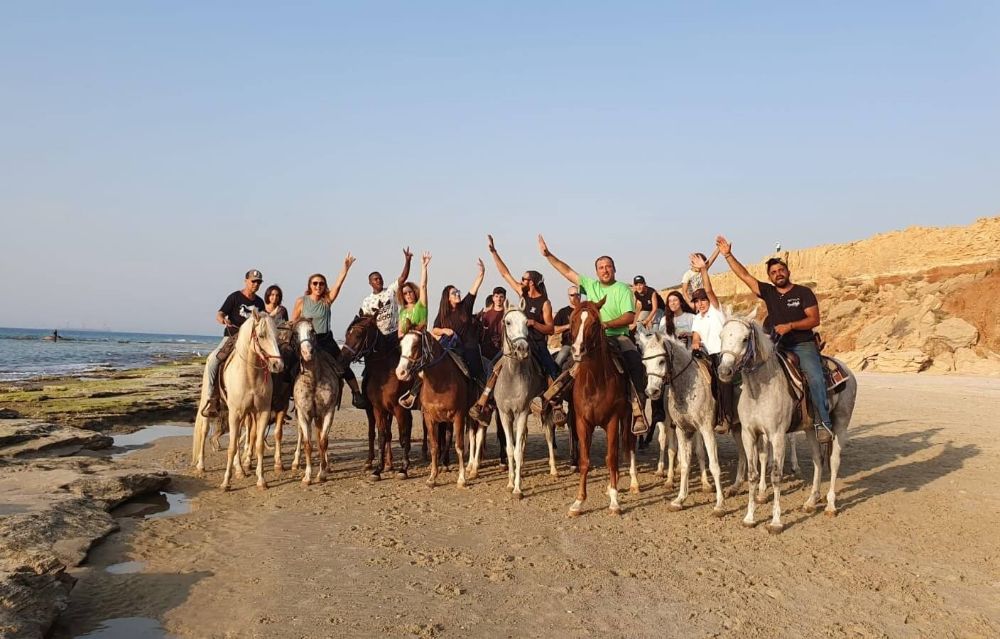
(407, 399)
(639, 424)
(211, 408)
(824, 433)
(559, 416)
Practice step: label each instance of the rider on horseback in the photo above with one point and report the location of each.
(383, 301)
(792, 312)
(233, 312)
(456, 326)
(617, 313)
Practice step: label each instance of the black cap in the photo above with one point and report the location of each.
(699, 294)
(254, 275)
(638, 279)
(500, 290)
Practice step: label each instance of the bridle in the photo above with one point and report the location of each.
(368, 344)
(424, 361)
(668, 355)
(262, 355)
(748, 361)
(508, 341)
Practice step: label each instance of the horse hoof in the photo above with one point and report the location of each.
(668, 485)
(402, 475)
(553, 472)
(706, 488)
(373, 476)
(517, 494)
(718, 513)
(430, 482)
(472, 474)
(808, 509)
(261, 485)
(830, 512)
(614, 510)
(368, 465)
(675, 507)
(659, 473)
(730, 492)
(760, 499)
(634, 489)
(574, 469)
(748, 524)
(224, 488)
(573, 513)
(775, 529)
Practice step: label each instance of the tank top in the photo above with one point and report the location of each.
(533, 309)
(318, 312)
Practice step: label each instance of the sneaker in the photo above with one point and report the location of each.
(558, 416)
(476, 412)
(824, 433)
(360, 401)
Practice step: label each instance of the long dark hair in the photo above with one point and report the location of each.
(274, 287)
(668, 315)
(444, 310)
(539, 280)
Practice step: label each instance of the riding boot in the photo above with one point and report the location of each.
(211, 407)
(724, 413)
(639, 422)
(358, 400)
(479, 410)
(408, 400)
(558, 385)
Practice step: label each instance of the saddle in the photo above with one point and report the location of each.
(834, 374)
(723, 394)
(616, 355)
(226, 349)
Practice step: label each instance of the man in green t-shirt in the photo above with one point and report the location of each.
(617, 314)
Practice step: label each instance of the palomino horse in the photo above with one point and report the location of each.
(445, 394)
(317, 395)
(246, 378)
(766, 409)
(600, 398)
(520, 380)
(383, 388)
(689, 404)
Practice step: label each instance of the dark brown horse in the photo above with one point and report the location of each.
(599, 399)
(445, 393)
(383, 388)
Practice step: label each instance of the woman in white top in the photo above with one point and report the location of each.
(706, 336)
(679, 317)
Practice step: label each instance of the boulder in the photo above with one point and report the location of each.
(26, 438)
(902, 361)
(967, 362)
(874, 334)
(956, 333)
(842, 309)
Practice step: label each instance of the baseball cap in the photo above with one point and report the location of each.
(500, 291)
(638, 279)
(254, 275)
(699, 294)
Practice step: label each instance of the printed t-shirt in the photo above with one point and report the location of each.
(709, 326)
(237, 308)
(384, 307)
(618, 301)
(788, 307)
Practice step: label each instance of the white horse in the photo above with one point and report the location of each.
(766, 409)
(519, 381)
(246, 379)
(317, 395)
(690, 405)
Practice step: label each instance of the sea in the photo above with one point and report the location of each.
(26, 354)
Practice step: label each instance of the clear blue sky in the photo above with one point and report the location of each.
(152, 152)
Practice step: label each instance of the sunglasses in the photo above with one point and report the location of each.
(455, 292)
(256, 281)
(574, 295)
(408, 292)
(317, 283)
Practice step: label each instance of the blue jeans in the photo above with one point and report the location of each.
(211, 374)
(812, 368)
(541, 352)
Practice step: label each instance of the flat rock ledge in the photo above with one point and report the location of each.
(52, 511)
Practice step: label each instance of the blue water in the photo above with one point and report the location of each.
(25, 354)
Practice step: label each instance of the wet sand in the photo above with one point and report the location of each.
(914, 551)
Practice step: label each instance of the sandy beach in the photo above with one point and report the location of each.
(914, 551)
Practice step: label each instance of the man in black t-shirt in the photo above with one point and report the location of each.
(561, 322)
(239, 306)
(792, 312)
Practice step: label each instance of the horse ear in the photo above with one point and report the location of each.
(254, 314)
(752, 315)
(600, 304)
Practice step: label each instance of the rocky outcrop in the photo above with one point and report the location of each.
(25, 438)
(52, 510)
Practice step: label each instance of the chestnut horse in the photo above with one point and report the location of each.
(383, 388)
(600, 398)
(445, 394)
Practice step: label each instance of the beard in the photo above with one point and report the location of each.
(781, 281)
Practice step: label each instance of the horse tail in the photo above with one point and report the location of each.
(198, 437)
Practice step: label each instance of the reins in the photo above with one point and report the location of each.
(508, 342)
(668, 355)
(748, 362)
(261, 354)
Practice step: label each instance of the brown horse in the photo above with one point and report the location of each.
(599, 399)
(383, 388)
(445, 394)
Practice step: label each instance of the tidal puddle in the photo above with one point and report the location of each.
(126, 567)
(155, 506)
(143, 438)
(128, 628)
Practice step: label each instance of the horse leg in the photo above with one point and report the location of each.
(260, 429)
(778, 442)
(298, 444)
(574, 441)
(741, 466)
(583, 436)
(762, 455)
(387, 453)
(323, 440)
(506, 424)
(520, 440)
(671, 457)
(661, 438)
(712, 447)
(792, 448)
(684, 453)
(699, 449)
(612, 428)
(247, 438)
(405, 421)
(423, 445)
(550, 436)
(750, 443)
(198, 442)
(831, 495)
(435, 452)
(377, 464)
(373, 426)
(279, 424)
(232, 452)
(306, 439)
(458, 427)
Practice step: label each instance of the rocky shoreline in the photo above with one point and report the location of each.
(58, 481)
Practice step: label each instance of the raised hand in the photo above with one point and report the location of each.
(425, 259)
(489, 244)
(482, 267)
(725, 246)
(407, 253)
(542, 246)
(697, 262)
(349, 260)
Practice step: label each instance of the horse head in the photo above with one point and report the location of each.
(411, 354)
(655, 358)
(264, 341)
(361, 337)
(307, 339)
(739, 346)
(515, 334)
(586, 329)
